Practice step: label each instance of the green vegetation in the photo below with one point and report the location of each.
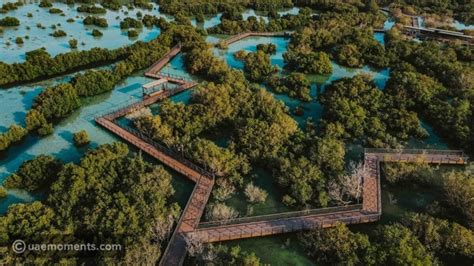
(459, 10)
(432, 81)
(14, 134)
(111, 4)
(337, 35)
(268, 48)
(57, 102)
(257, 65)
(81, 138)
(91, 9)
(36, 174)
(130, 23)
(209, 7)
(442, 237)
(308, 62)
(96, 21)
(97, 33)
(10, 6)
(35, 120)
(19, 40)
(296, 85)
(55, 11)
(94, 82)
(338, 245)
(45, 3)
(356, 110)
(132, 33)
(409, 173)
(260, 129)
(9, 22)
(220, 255)
(59, 33)
(458, 189)
(393, 245)
(72, 43)
(130, 198)
(3, 192)
(287, 22)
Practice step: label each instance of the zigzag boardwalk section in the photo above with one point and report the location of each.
(369, 211)
(194, 209)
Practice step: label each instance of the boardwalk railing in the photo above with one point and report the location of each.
(176, 232)
(283, 215)
(415, 151)
(166, 150)
(173, 76)
(131, 106)
(244, 35)
(292, 225)
(164, 60)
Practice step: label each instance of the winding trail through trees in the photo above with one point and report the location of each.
(188, 225)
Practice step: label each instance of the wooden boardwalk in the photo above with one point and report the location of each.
(194, 209)
(244, 35)
(369, 211)
(188, 224)
(438, 34)
(156, 67)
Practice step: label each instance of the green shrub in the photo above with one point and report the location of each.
(81, 138)
(57, 102)
(99, 22)
(97, 33)
(132, 33)
(91, 9)
(3, 192)
(59, 33)
(35, 174)
(94, 82)
(45, 3)
(14, 134)
(130, 23)
(9, 22)
(55, 11)
(19, 40)
(73, 43)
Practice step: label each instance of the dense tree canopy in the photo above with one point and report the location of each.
(368, 114)
(108, 197)
(35, 174)
(296, 85)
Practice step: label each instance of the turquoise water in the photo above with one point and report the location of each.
(215, 20)
(388, 24)
(113, 36)
(461, 26)
(311, 109)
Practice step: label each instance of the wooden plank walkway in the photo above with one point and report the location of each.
(244, 35)
(194, 209)
(158, 65)
(370, 210)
